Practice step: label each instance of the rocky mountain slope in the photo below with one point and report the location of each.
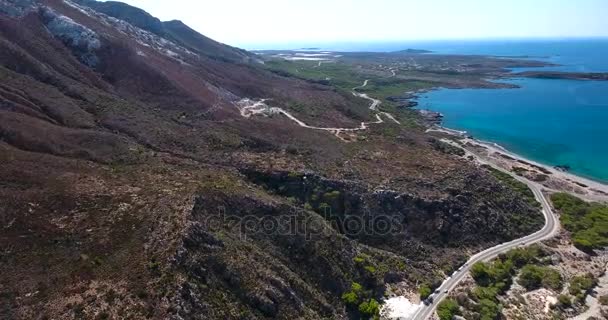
(133, 188)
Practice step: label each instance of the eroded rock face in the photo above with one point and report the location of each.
(227, 267)
(462, 218)
(81, 40)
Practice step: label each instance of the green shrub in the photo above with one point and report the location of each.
(488, 309)
(533, 277)
(358, 259)
(552, 279)
(482, 273)
(489, 293)
(370, 307)
(370, 269)
(564, 300)
(581, 285)
(523, 256)
(353, 296)
(350, 298)
(424, 291)
(490, 274)
(447, 309)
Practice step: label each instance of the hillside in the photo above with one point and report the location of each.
(133, 186)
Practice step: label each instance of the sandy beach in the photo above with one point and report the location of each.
(550, 178)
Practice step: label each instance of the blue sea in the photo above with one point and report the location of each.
(555, 122)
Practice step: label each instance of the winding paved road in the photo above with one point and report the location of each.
(249, 107)
(550, 228)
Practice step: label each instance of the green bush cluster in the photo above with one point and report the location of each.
(360, 298)
(588, 222)
(495, 278)
(581, 285)
(533, 277)
(354, 295)
(514, 184)
(497, 274)
(489, 309)
(370, 308)
(424, 291)
(447, 309)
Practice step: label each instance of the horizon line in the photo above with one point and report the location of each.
(311, 42)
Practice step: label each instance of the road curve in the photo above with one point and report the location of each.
(249, 107)
(550, 228)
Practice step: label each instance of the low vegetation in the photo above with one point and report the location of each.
(581, 285)
(495, 278)
(564, 300)
(359, 299)
(533, 277)
(447, 309)
(424, 291)
(337, 74)
(588, 222)
(514, 184)
(447, 148)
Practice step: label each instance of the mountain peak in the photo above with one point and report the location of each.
(173, 30)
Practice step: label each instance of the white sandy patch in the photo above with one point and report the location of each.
(311, 54)
(399, 308)
(306, 58)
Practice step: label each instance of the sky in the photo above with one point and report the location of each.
(251, 23)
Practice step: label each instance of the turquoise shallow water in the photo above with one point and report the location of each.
(554, 122)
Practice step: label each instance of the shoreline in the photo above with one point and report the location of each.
(545, 175)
